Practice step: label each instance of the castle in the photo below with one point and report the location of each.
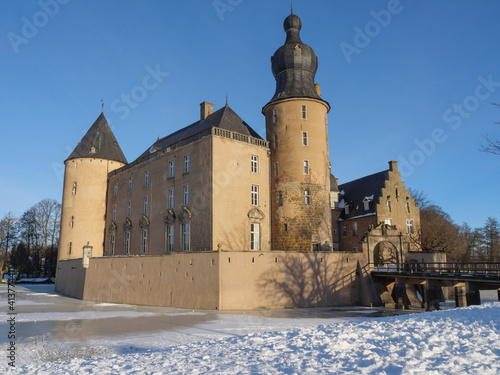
(213, 216)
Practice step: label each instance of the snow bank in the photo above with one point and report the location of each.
(459, 341)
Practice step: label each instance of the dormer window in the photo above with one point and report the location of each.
(346, 208)
(366, 202)
(93, 150)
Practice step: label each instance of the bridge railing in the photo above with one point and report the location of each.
(476, 268)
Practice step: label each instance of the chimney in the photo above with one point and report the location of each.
(206, 109)
(317, 86)
(393, 166)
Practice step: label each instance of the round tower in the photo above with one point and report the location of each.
(85, 190)
(297, 129)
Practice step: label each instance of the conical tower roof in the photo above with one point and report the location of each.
(100, 143)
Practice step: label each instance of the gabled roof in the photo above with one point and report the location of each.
(355, 192)
(100, 143)
(224, 118)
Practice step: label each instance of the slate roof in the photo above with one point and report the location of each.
(356, 191)
(99, 142)
(224, 118)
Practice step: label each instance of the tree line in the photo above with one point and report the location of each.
(438, 232)
(29, 244)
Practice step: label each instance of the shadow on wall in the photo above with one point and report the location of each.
(315, 279)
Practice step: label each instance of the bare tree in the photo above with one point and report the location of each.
(47, 215)
(491, 146)
(421, 200)
(7, 237)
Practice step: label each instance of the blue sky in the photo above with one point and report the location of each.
(407, 80)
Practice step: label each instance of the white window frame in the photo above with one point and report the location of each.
(307, 197)
(186, 195)
(171, 169)
(186, 163)
(255, 195)
(144, 237)
(366, 204)
(306, 166)
(170, 238)
(74, 188)
(255, 236)
(185, 235)
(171, 198)
(409, 226)
(254, 159)
(145, 210)
(305, 140)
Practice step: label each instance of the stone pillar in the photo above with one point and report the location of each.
(400, 295)
(473, 297)
(460, 297)
(433, 297)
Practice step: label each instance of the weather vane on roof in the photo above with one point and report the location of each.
(102, 105)
(226, 98)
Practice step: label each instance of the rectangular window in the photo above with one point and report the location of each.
(186, 164)
(129, 205)
(307, 197)
(304, 138)
(115, 189)
(144, 241)
(366, 204)
(255, 195)
(74, 188)
(344, 230)
(170, 238)
(170, 199)
(127, 243)
(255, 164)
(409, 226)
(354, 229)
(112, 245)
(346, 208)
(171, 169)
(114, 213)
(145, 211)
(280, 198)
(72, 222)
(306, 166)
(185, 237)
(254, 236)
(389, 205)
(275, 141)
(276, 169)
(275, 116)
(388, 221)
(408, 207)
(70, 246)
(304, 112)
(285, 227)
(130, 184)
(186, 195)
(146, 178)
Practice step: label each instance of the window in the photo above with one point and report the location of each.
(354, 229)
(70, 246)
(115, 189)
(185, 237)
(388, 221)
(275, 115)
(285, 227)
(408, 207)
(275, 141)
(170, 238)
(306, 166)
(280, 198)
(254, 236)
(366, 203)
(171, 169)
(255, 195)
(304, 138)
(127, 243)
(112, 245)
(344, 230)
(72, 222)
(113, 218)
(346, 208)
(145, 211)
(276, 169)
(144, 241)
(186, 195)
(130, 184)
(388, 205)
(129, 205)
(74, 188)
(146, 178)
(304, 112)
(255, 164)
(409, 226)
(186, 164)
(170, 199)
(307, 197)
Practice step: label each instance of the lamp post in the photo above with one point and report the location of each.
(87, 253)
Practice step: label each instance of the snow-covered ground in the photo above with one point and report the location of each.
(59, 335)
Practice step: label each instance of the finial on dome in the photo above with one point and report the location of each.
(291, 6)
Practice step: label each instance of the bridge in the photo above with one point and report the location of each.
(428, 279)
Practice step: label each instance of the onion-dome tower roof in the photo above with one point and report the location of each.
(99, 142)
(294, 65)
